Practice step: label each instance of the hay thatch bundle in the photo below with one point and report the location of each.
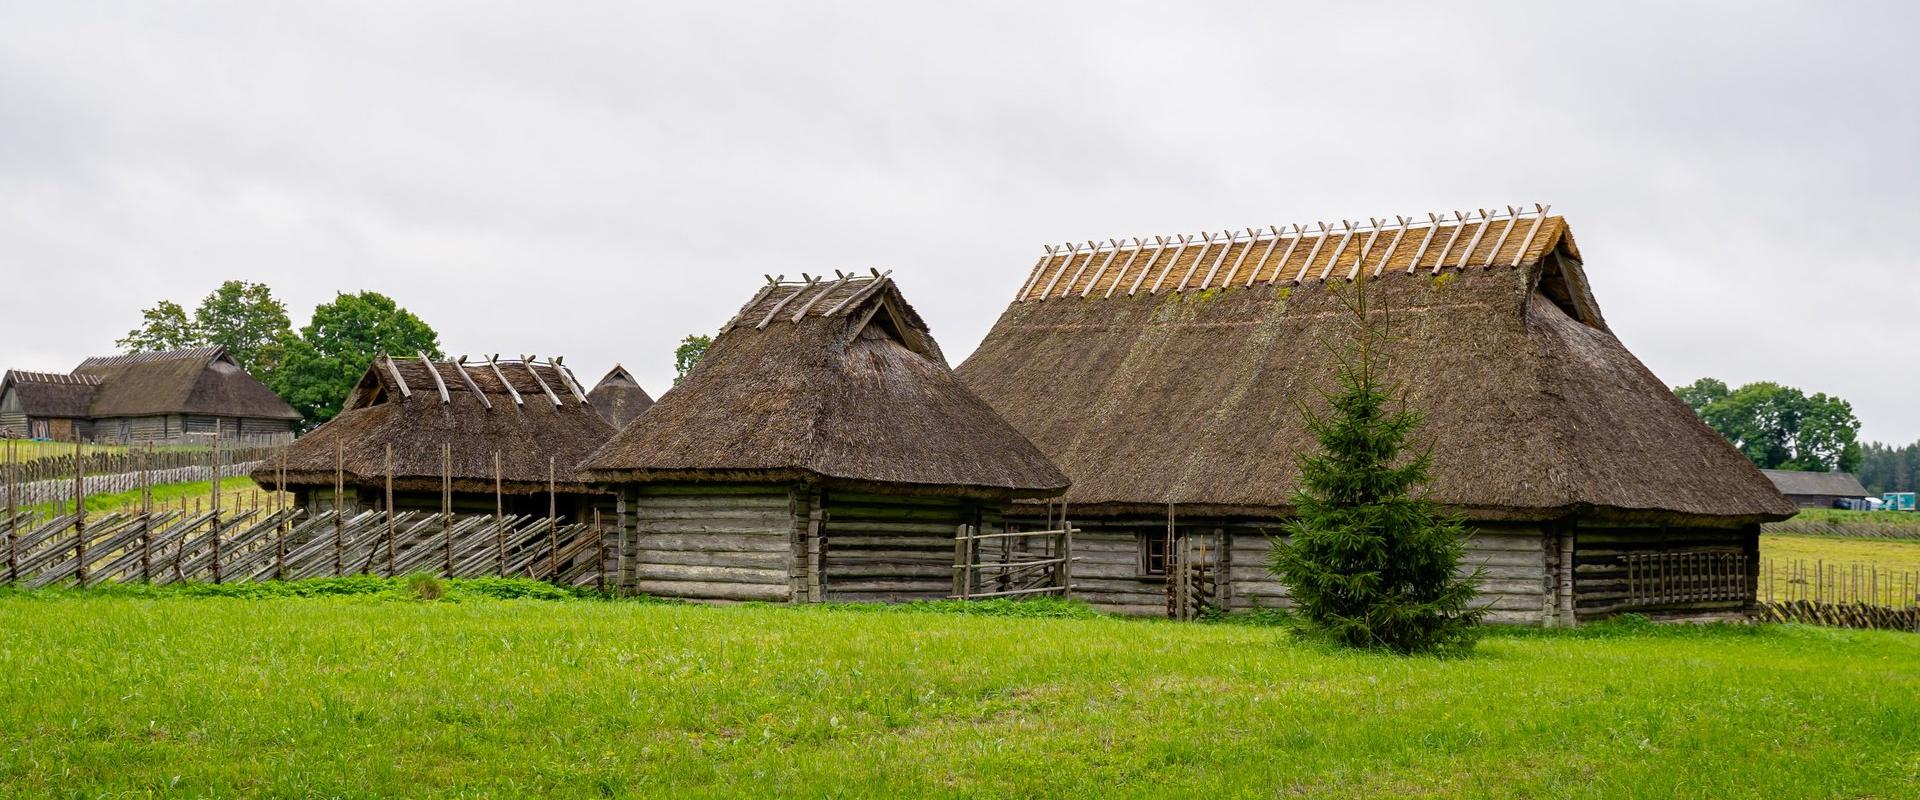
(1534, 409)
(619, 398)
(838, 383)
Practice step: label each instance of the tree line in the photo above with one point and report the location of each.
(1781, 427)
(312, 368)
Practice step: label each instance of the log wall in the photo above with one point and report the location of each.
(1600, 572)
(895, 547)
(713, 542)
(1519, 581)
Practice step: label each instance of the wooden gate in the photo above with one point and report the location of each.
(1192, 578)
(1012, 564)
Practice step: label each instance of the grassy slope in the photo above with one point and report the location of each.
(357, 697)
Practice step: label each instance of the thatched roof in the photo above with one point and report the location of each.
(619, 398)
(529, 412)
(1190, 394)
(1837, 484)
(834, 381)
(200, 380)
(50, 394)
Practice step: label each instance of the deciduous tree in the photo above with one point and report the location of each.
(323, 362)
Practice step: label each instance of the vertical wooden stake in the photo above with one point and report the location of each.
(339, 521)
(389, 468)
(79, 515)
(1066, 551)
(499, 521)
(446, 504)
(218, 572)
(13, 516)
(281, 528)
(600, 536)
(146, 515)
(553, 531)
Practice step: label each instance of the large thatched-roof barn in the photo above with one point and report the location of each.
(821, 450)
(1165, 378)
(619, 398)
(518, 427)
(163, 396)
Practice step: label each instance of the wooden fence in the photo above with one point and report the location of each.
(65, 466)
(1848, 595)
(1012, 564)
(288, 544)
(1857, 529)
(1670, 578)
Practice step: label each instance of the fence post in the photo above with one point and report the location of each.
(281, 527)
(446, 504)
(339, 521)
(553, 531)
(390, 533)
(79, 516)
(146, 515)
(218, 571)
(13, 515)
(1066, 558)
(499, 520)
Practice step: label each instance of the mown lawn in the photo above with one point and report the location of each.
(177, 696)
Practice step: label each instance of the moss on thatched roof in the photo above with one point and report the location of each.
(201, 380)
(1191, 395)
(837, 382)
(619, 398)
(530, 413)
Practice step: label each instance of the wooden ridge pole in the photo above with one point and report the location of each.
(389, 466)
(446, 503)
(79, 515)
(339, 522)
(499, 521)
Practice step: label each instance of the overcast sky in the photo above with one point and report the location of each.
(598, 181)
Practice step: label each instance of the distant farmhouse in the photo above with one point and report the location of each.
(1166, 378)
(159, 397)
(619, 398)
(1816, 489)
(480, 433)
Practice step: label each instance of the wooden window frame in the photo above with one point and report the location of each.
(1144, 566)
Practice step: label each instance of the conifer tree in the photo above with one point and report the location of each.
(1370, 561)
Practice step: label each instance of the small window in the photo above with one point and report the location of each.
(1153, 555)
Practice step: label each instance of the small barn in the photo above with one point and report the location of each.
(1165, 376)
(821, 450)
(1816, 489)
(619, 398)
(46, 405)
(166, 396)
(483, 432)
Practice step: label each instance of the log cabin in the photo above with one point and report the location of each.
(1168, 378)
(822, 450)
(161, 397)
(476, 435)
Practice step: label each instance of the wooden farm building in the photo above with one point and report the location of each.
(1816, 489)
(822, 450)
(1165, 378)
(465, 429)
(162, 397)
(619, 398)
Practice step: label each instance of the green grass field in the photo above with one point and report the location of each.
(122, 695)
(27, 449)
(1899, 555)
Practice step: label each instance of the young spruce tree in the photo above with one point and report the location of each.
(1370, 561)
